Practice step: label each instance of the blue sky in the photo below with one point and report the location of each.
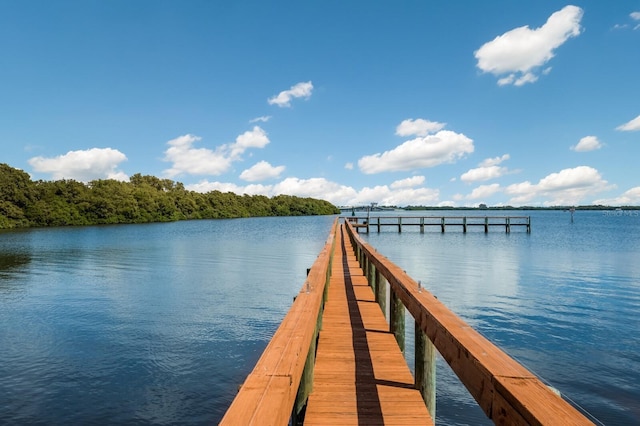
(532, 102)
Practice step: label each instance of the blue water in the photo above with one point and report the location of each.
(159, 323)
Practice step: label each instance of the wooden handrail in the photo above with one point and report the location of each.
(269, 393)
(505, 390)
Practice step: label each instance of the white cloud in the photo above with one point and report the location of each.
(187, 159)
(255, 138)
(489, 169)
(418, 127)
(588, 143)
(300, 90)
(631, 126)
(348, 166)
(483, 191)
(519, 53)
(408, 182)
(82, 165)
(395, 194)
(262, 119)
(197, 161)
(429, 151)
(567, 187)
(628, 198)
(494, 161)
(261, 171)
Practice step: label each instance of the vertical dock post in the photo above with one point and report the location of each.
(442, 223)
(422, 225)
(399, 224)
(486, 224)
(381, 292)
(425, 377)
(397, 319)
(528, 224)
(508, 225)
(464, 224)
(378, 223)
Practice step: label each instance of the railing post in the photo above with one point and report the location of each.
(486, 224)
(508, 225)
(442, 223)
(422, 225)
(399, 224)
(397, 319)
(381, 292)
(464, 224)
(306, 381)
(528, 224)
(425, 379)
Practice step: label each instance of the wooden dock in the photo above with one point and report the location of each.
(335, 359)
(465, 223)
(361, 376)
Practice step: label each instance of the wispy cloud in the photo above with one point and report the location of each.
(300, 90)
(518, 54)
(262, 119)
(631, 126)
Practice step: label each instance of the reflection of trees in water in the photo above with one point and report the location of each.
(9, 261)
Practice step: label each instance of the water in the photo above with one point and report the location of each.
(563, 300)
(159, 323)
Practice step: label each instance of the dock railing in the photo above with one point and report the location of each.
(442, 222)
(278, 386)
(505, 390)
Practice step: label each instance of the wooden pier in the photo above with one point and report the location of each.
(464, 223)
(335, 359)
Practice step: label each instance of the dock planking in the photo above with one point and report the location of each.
(361, 376)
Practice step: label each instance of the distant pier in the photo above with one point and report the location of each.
(459, 222)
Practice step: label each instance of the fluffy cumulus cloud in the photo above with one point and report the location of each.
(517, 55)
(483, 192)
(588, 143)
(408, 182)
(488, 169)
(430, 150)
(418, 127)
(631, 126)
(300, 90)
(261, 171)
(187, 159)
(83, 165)
(628, 198)
(566, 187)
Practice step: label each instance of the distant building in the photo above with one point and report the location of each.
(482, 206)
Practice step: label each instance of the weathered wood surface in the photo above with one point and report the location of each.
(507, 392)
(268, 395)
(361, 376)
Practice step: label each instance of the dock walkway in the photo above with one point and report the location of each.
(361, 376)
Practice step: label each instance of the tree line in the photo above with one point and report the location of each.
(26, 203)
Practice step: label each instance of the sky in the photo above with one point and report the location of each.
(438, 103)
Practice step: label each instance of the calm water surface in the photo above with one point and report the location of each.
(159, 323)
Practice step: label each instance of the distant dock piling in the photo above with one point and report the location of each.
(444, 222)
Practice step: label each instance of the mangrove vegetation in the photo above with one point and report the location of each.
(27, 203)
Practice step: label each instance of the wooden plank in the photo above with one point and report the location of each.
(360, 375)
(505, 390)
